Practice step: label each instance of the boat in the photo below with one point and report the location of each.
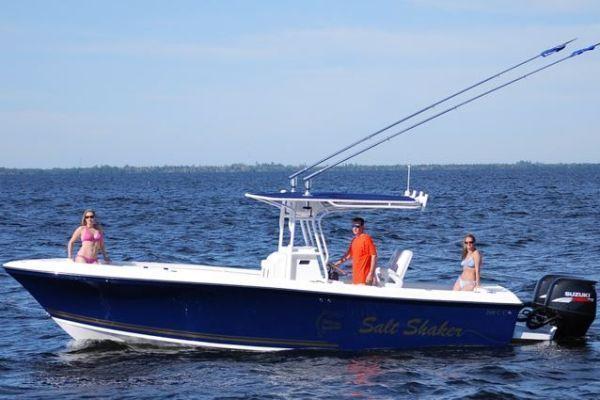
(293, 300)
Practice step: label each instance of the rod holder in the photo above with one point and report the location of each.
(294, 183)
(307, 186)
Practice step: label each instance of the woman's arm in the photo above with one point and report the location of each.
(70, 244)
(104, 253)
(477, 259)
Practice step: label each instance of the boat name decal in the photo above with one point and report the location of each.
(371, 325)
(419, 327)
(415, 326)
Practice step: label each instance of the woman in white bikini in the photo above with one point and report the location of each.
(471, 263)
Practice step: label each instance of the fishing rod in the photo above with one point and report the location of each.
(544, 53)
(573, 54)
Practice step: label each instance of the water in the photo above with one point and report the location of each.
(529, 220)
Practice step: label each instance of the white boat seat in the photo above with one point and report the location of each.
(396, 268)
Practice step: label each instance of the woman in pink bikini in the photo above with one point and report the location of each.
(471, 263)
(92, 240)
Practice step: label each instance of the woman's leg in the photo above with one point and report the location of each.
(457, 285)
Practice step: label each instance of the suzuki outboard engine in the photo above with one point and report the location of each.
(567, 302)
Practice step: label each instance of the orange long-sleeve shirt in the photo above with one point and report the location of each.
(361, 250)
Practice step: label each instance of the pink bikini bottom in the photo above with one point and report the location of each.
(88, 260)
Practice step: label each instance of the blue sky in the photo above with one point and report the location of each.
(219, 82)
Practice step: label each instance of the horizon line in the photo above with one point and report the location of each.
(279, 166)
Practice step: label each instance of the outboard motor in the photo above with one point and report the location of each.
(567, 302)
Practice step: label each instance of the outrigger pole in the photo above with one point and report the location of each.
(573, 54)
(545, 53)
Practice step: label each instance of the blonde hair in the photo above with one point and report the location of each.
(96, 223)
(464, 246)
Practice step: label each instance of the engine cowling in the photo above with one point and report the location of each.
(567, 302)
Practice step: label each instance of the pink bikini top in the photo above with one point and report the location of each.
(86, 236)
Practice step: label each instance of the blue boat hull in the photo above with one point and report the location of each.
(265, 317)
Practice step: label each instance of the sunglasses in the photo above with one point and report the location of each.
(469, 242)
(357, 226)
(89, 216)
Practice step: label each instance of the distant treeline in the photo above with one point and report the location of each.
(271, 167)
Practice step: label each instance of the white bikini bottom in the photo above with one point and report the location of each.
(465, 282)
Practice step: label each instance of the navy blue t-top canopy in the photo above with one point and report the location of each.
(329, 201)
(328, 196)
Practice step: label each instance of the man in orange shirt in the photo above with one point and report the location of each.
(363, 253)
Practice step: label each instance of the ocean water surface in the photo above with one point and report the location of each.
(529, 220)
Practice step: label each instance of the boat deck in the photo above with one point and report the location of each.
(250, 277)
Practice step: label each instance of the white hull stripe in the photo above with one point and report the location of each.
(162, 332)
(80, 331)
